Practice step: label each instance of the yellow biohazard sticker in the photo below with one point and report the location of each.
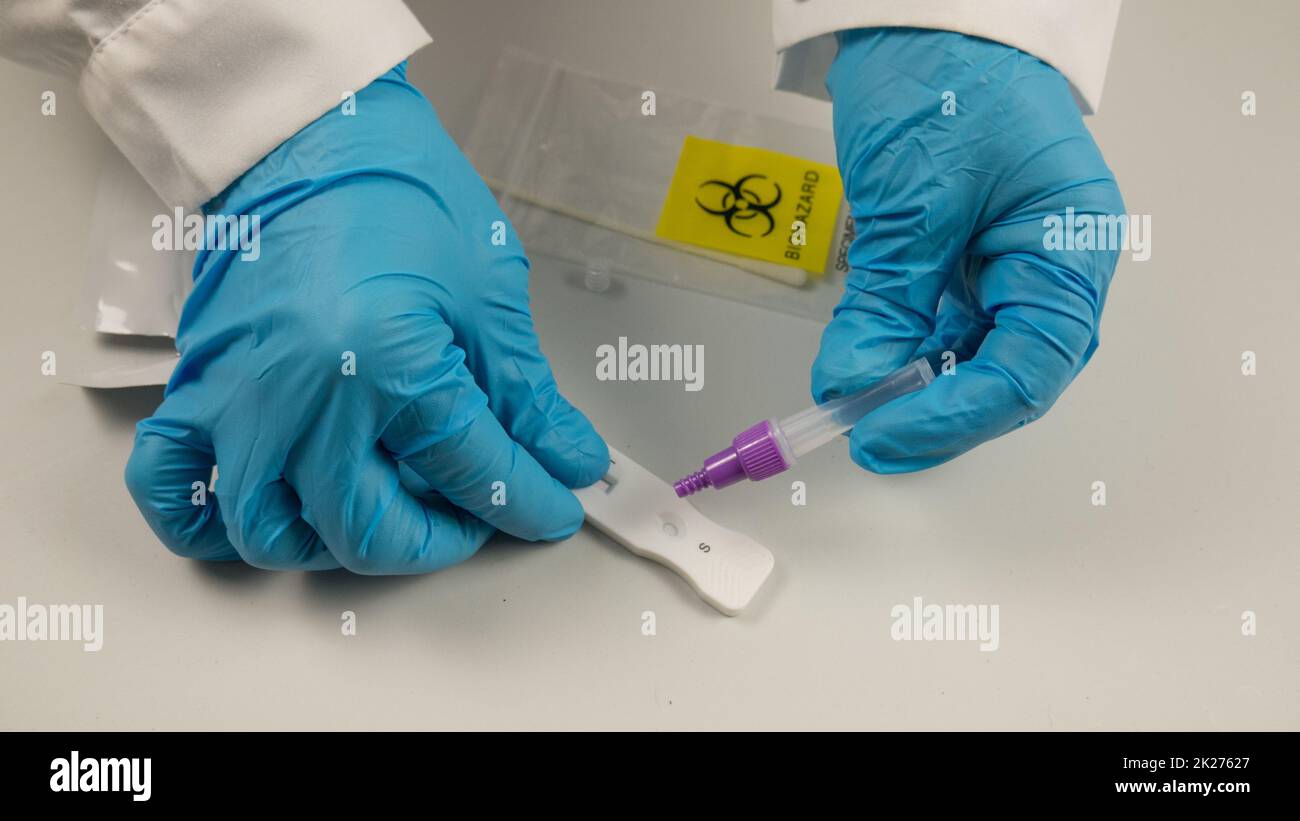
(753, 203)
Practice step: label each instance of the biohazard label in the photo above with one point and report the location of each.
(753, 203)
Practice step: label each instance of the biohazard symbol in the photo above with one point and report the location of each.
(740, 203)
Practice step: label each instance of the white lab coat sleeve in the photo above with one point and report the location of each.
(1073, 36)
(195, 92)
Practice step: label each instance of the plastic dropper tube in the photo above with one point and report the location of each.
(773, 446)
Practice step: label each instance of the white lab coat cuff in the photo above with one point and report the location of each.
(195, 92)
(1073, 36)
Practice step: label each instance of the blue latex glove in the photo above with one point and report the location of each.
(376, 239)
(949, 254)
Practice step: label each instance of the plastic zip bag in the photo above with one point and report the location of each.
(583, 173)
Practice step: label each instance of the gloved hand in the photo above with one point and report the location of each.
(376, 249)
(950, 253)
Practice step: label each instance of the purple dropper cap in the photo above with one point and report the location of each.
(754, 454)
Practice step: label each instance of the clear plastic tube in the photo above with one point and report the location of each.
(809, 429)
(772, 446)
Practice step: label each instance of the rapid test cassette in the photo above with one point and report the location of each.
(644, 514)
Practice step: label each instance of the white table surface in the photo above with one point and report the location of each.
(1123, 616)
